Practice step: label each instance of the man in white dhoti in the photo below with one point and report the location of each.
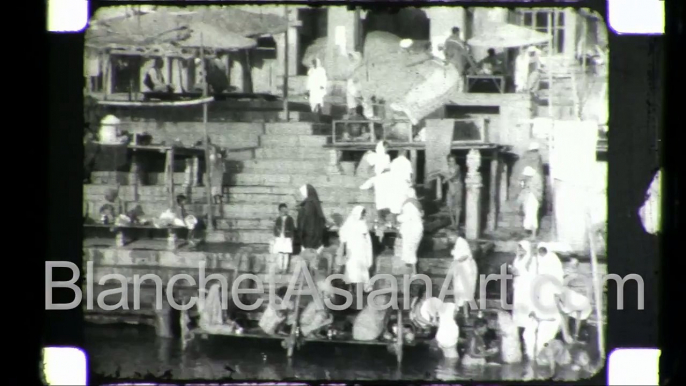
(317, 82)
(465, 274)
(530, 198)
(545, 319)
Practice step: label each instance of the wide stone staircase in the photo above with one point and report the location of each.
(290, 155)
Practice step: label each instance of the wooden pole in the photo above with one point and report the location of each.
(285, 69)
(597, 290)
(170, 177)
(552, 123)
(296, 322)
(550, 65)
(208, 163)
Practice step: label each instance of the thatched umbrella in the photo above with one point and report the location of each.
(165, 29)
(153, 28)
(241, 22)
(206, 35)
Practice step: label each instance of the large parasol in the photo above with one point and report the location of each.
(509, 36)
(389, 72)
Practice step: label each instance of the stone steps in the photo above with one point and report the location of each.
(295, 181)
(293, 152)
(273, 166)
(268, 211)
(236, 194)
(297, 128)
(274, 140)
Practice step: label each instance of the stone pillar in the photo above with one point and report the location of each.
(473, 181)
(569, 40)
(413, 160)
(163, 321)
(504, 171)
(108, 77)
(441, 21)
(171, 240)
(343, 38)
(485, 18)
(280, 40)
(119, 240)
(293, 42)
(493, 191)
(334, 167)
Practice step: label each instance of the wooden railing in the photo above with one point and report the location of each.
(364, 131)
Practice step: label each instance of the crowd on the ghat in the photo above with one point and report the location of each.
(532, 331)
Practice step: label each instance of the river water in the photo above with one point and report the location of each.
(129, 351)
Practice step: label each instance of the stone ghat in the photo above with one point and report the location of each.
(257, 261)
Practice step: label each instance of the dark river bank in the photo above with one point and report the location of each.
(133, 351)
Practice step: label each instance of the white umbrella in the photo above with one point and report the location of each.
(509, 36)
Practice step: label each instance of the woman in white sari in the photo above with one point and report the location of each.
(547, 276)
(465, 274)
(317, 83)
(411, 229)
(356, 245)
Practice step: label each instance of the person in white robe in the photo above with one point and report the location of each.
(530, 198)
(382, 182)
(546, 285)
(401, 173)
(448, 333)
(382, 162)
(521, 71)
(411, 229)
(356, 247)
(521, 302)
(465, 274)
(317, 83)
(218, 170)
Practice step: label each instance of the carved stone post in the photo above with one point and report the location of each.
(334, 167)
(171, 240)
(474, 182)
(493, 192)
